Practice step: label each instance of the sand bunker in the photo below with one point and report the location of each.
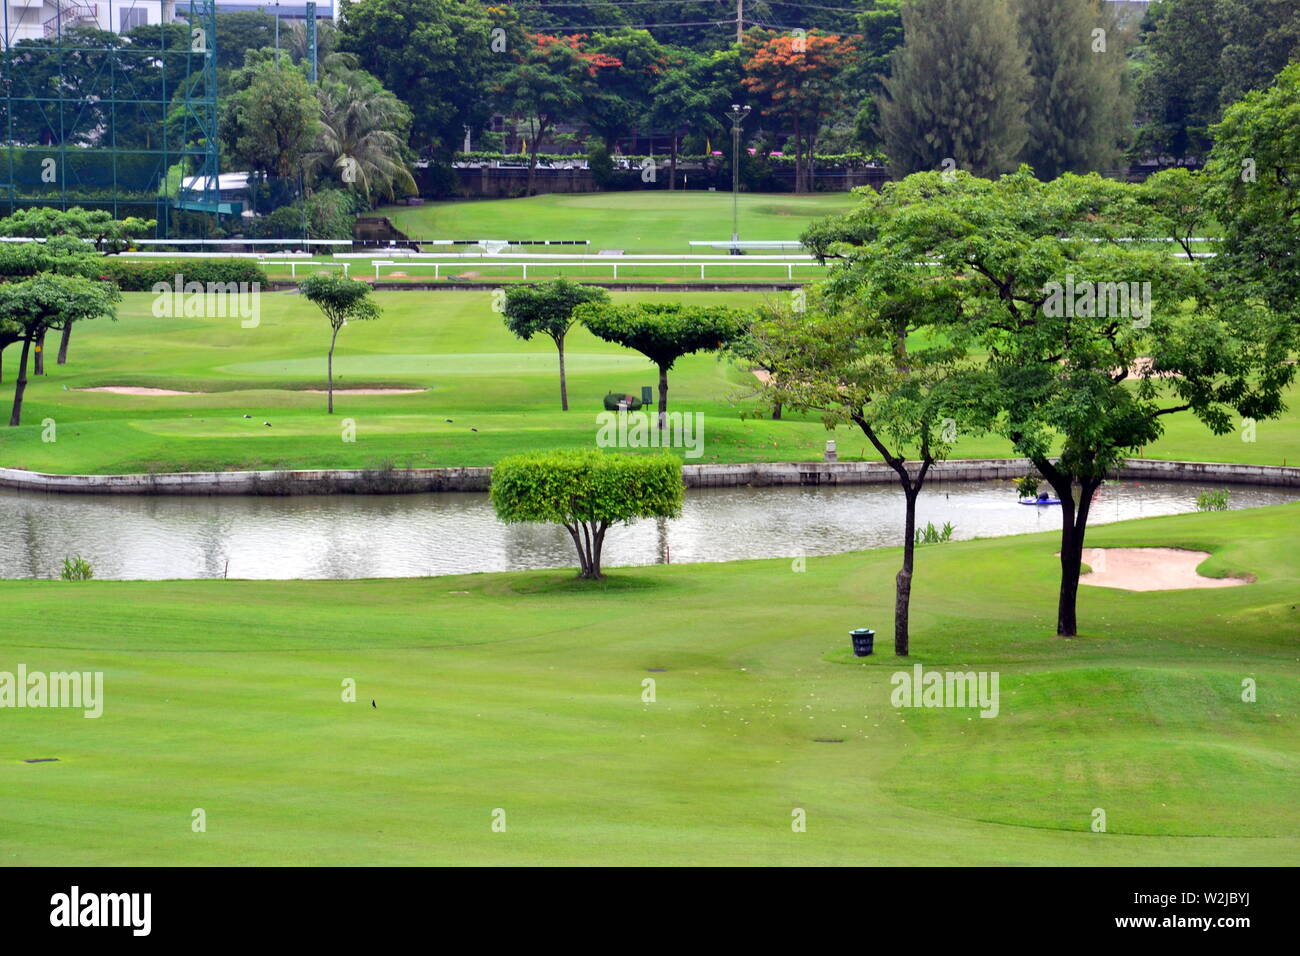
(135, 390)
(1150, 569)
(365, 391)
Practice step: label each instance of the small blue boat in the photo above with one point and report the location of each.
(1040, 500)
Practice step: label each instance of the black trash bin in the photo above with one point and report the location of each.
(864, 640)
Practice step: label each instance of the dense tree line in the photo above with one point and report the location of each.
(982, 85)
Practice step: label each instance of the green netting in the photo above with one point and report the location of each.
(126, 123)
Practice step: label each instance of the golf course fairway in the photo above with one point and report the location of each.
(521, 698)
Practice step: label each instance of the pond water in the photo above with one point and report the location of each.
(126, 537)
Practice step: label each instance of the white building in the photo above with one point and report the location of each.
(35, 19)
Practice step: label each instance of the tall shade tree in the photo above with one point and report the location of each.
(881, 348)
(681, 102)
(617, 98)
(1093, 339)
(272, 119)
(1254, 192)
(587, 492)
(435, 56)
(544, 88)
(800, 79)
(880, 27)
(547, 309)
(47, 301)
(61, 252)
(1200, 56)
(761, 353)
(664, 332)
(343, 301)
(362, 137)
(957, 89)
(1079, 107)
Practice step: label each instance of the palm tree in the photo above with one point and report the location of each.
(362, 134)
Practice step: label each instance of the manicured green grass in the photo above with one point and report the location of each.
(636, 222)
(523, 692)
(450, 343)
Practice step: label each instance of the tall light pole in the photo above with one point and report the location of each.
(738, 114)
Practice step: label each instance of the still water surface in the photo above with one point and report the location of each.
(355, 536)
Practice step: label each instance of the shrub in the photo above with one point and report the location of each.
(586, 492)
(613, 399)
(1212, 500)
(142, 277)
(77, 569)
(932, 535)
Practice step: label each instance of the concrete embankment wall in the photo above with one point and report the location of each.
(759, 474)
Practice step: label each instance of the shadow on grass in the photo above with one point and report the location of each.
(565, 581)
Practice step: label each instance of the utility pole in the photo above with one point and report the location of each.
(740, 20)
(738, 114)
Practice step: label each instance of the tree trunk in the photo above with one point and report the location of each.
(903, 582)
(776, 412)
(15, 418)
(329, 368)
(672, 170)
(532, 156)
(1074, 526)
(564, 388)
(663, 397)
(40, 353)
(599, 545)
(798, 158)
(583, 564)
(63, 343)
(911, 491)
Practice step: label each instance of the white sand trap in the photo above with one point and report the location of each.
(1150, 569)
(365, 391)
(135, 390)
(762, 375)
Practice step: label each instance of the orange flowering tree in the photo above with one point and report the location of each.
(800, 80)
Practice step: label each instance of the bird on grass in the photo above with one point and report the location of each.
(450, 421)
(373, 704)
(267, 424)
(473, 429)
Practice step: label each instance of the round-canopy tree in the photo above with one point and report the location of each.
(664, 332)
(343, 301)
(586, 491)
(548, 308)
(32, 307)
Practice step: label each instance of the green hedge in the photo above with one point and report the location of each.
(142, 277)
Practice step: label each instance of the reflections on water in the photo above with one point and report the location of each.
(351, 536)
